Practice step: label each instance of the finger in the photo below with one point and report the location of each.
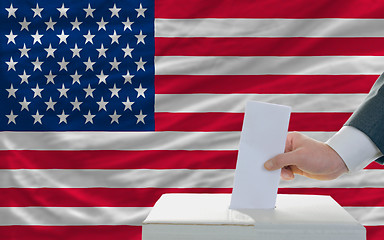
(287, 174)
(289, 143)
(296, 170)
(282, 160)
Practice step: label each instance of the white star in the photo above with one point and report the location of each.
(37, 91)
(115, 64)
(63, 65)
(11, 117)
(115, 117)
(127, 24)
(11, 64)
(128, 51)
(76, 51)
(63, 37)
(63, 11)
(37, 10)
(102, 104)
(76, 104)
(11, 11)
(37, 117)
(11, 37)
(89, 37)
(50, 24)
(50, 77)
(63, 117)
(114, 91)
(114, 37)
(24, 51)
(37, 64)
(24, 24)
(89, 11)
(140, 11)
(140, 37)
(24, 77)
(50, 104)
(115, 11)
(140, 91)
(12, 91)
(76, 24)
(128, 104)
(89, 91)
(89, 117)
(140, 117)
(128, 77)
(140, 64)
(36, 37)
(102, 24)
(63, 91)
(76, 78)
(102, 77)
(89, 64)
(50, 51)
(24, 105)
(102, 51)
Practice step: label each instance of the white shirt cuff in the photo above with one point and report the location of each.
(354, 147)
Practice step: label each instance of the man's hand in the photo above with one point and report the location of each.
(307, 157)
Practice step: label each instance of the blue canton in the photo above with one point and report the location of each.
(77, 65)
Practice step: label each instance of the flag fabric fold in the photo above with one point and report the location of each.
(107, 105)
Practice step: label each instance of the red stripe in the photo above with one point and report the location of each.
(91, 197)
(295, 46)
(207, 122)
(70, 232)
(374, 165)
(103, 232)
(375, 232)
(268, 9)
(106, 159)
(146, 197)
(264, 84)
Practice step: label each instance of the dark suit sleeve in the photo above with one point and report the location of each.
(369, 117)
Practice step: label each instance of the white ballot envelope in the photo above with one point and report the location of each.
(263, 136)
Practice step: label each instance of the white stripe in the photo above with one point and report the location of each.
(74, 216)
(235, 103)
(335, 27)
(174, 178)
(134, 216)
(229, 65)
(127, 140)
(368, 216)
(136, 178)
(320, 136)
(119, 140)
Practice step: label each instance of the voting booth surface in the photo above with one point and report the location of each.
(208, 217)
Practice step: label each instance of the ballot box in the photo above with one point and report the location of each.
(208, 217)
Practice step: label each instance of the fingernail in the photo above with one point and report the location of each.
(268, 165)
(286, 176)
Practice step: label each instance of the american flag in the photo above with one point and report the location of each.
(106, 105)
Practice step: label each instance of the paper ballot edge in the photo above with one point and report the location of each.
(236, 202)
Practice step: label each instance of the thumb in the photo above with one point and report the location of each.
(282, 160)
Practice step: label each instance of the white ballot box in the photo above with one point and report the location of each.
(208, 217)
